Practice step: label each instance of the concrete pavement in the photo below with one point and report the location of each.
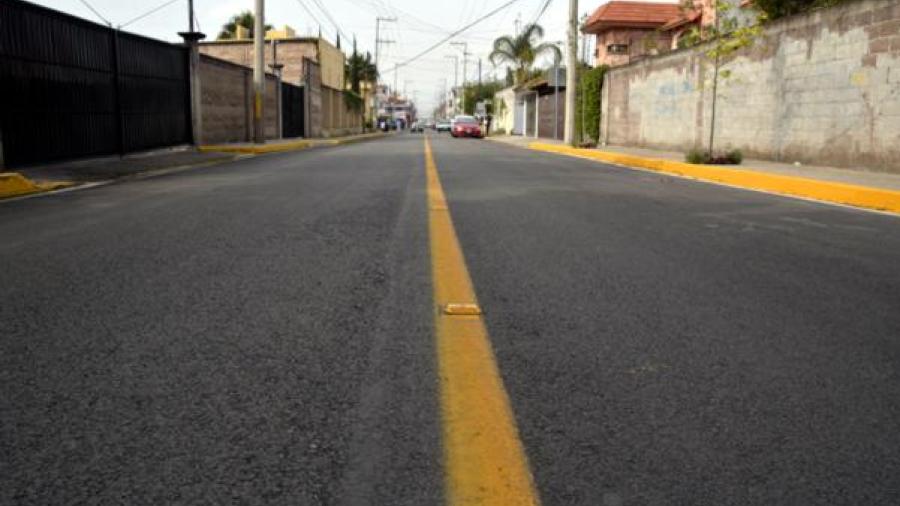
(263, 332)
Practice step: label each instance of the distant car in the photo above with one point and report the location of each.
(416, 127)
(388, 125)
(429, 124)
(466, 126)
(442, 126)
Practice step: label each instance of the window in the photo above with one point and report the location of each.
(617, 49)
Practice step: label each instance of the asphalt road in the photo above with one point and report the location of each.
(260, 332)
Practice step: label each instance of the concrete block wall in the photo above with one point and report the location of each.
(337, 118)
(820, 88)
(227, 102)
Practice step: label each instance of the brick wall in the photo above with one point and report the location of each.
(821, 88)
(290, 53)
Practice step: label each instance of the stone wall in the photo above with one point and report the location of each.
(820, 88)
(227, 102)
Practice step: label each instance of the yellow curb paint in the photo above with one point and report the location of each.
(13, 184)
(278, 147)
(840, 193)
(485, 463)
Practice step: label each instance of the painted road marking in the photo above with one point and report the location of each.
(484, 461)
(878, 199)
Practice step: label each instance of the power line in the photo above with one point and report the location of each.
(151, 11)
(454, 34)
(89, 6)
(308, 11)
(328, 15)
(542, 11)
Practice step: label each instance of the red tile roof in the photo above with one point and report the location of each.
(683, 19)
(631, 14)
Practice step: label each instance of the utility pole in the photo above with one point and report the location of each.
(259, 73)
(455, 76)
(192, 39)
(584, 53)
(396, 66)
(466, 53)
(571, 73)
(479, 73)
(378, 42)
(555, 98)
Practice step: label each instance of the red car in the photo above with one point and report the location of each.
(466, 126)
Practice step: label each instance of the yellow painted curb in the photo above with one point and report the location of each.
(13, 184)
(841, 193)
(254, 149)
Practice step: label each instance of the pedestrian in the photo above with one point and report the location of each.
(487, 125)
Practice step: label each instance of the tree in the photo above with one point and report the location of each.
(522, 50)
(359, 69)
(245, 19)
(728, 36)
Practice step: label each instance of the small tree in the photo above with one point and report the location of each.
(245, 19)
(728, 36)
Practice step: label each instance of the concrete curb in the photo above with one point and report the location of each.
(13, 184)
(280, 147)
(841, 193)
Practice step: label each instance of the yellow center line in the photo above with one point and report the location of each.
(484, 461)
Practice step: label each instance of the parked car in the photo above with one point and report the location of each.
(442, 126)
(466, 126)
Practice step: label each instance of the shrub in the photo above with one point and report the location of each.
(589, 89)
(735, 156)
(696, 156)
(699, 156)
(498, 131)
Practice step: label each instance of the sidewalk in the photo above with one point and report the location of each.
(861, 188)
(54, 176)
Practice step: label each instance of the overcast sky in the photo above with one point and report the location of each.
(420, 23)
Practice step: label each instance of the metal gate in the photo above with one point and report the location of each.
(292, 107)
(71, 88)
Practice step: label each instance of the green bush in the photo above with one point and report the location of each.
(735, 156)
(700, 156)
(696, 156)
(775, 9)
(498, 131)
(589, 89)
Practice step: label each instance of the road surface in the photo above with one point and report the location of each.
(263, 332)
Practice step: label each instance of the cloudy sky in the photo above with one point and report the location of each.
(420, 23)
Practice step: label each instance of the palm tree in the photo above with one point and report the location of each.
(244, 19)
(522, 50)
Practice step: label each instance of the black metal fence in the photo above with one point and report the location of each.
(71, 88)
(292, 108)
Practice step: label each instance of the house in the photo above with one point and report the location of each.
(628, 31)
(284, 48)
(533, 109)
(310, 62)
